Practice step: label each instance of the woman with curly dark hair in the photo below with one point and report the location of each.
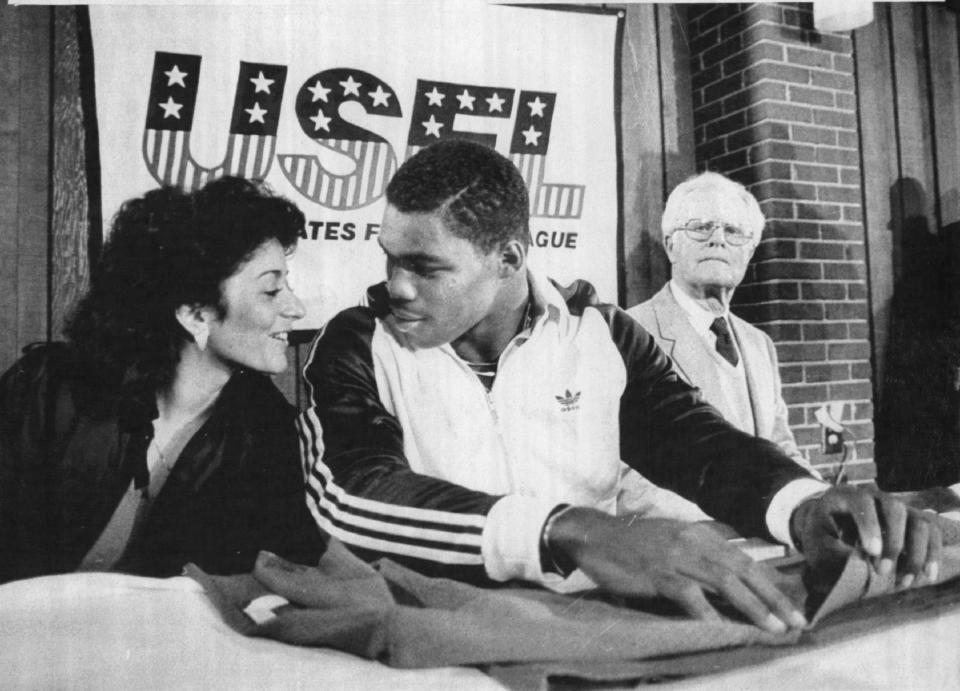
(154, 436)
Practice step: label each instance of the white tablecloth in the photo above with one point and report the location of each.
(109, 631)
(919, 656)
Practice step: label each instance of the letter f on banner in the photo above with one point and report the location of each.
(253, 123)
(439, 104)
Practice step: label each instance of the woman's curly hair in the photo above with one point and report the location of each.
(166, 249)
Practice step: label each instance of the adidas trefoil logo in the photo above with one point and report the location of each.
(568, 401)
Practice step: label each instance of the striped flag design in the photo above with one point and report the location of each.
(548, 200)
(437, 104)
(318, 112)
(251, 141)
(528, 150)
(375, 165)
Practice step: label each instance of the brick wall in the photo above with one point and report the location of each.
(775, 108)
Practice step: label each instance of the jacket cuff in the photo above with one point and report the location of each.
(511, 544)
(785, 501)
(511, 538)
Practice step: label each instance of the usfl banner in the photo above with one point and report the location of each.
(325, 101)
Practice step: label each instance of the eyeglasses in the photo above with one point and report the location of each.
(701, 231)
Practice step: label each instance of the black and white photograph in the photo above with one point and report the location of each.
(462, 344)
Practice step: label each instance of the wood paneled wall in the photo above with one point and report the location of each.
(657, 138)
(908, 79)
(73, 233)
(908, 74)
(44, 123)
(25, 182)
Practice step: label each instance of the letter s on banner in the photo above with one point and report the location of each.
(318, 112)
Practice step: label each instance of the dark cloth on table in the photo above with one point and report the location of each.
(525, 636)
(389, 613)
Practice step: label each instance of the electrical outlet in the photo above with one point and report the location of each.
(829, 417)
(832, 441)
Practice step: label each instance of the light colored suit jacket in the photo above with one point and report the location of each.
(666, 321)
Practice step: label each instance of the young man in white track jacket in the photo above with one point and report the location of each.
(470, 422)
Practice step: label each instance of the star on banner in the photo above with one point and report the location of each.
(466, 100)
(432, 127)
(495, 103)
(256, 113)
(531, 137)
(351, 87)
(320, 121)
(319, 92)
(175, 76)
(171, 109)
(380, 97)
(262, 83)
(434, 98)
(536, 107)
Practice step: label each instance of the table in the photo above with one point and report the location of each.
(111, 631)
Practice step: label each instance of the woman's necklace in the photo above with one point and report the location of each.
(160, 459)
(167, 444)
(159, 465)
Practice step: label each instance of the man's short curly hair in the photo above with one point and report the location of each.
(480, 194)
(166, 249)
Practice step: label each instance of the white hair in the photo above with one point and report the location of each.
(673, 212)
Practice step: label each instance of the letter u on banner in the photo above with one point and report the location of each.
(174, 86)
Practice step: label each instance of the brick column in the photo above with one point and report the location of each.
(774, 107)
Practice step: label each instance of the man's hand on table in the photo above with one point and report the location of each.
(681, 561)
(828, 527)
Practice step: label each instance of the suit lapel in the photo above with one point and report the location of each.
(664, 319)
(689, 352)
(751, 353)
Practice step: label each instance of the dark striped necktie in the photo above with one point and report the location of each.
(724, 341)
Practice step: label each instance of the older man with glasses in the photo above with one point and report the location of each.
(711, 226)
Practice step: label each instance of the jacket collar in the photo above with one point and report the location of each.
(699, 317)
(676, 334)
(551, 301)
(137, 409)
(548, 303)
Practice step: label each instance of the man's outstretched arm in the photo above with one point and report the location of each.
(749, 483)
(677, 440)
